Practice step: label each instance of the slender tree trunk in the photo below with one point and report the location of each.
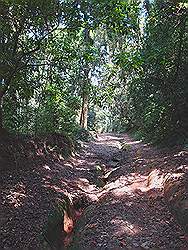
(1, 111)
(84, 111)
(3, 90)
(86, 83)
(1, 116)
(3, 131)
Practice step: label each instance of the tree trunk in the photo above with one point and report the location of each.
(3, 89)
(86, 83)
(1, 118)
(84, 111)
(1, 111)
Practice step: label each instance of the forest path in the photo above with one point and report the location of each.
(125, 213)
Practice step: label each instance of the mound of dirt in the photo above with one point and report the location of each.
(176, 196)
(23, 151)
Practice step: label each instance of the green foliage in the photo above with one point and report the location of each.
(128, 64)
(160, 92)
(150, 93)
(55, 111)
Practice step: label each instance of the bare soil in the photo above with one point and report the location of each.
(125, 212)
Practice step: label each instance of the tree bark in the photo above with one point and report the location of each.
(1, 111)
(86, 83)
(3, 89)
(1, 116)
(84, 111)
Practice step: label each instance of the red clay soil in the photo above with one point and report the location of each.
(125, 212)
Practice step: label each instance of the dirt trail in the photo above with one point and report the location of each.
(125, 213)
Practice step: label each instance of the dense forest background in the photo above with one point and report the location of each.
(110, 65)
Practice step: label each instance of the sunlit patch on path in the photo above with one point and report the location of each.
(121, 178)
(129, 211)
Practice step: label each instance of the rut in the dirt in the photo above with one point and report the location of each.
(120, 208)
(127, 213)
